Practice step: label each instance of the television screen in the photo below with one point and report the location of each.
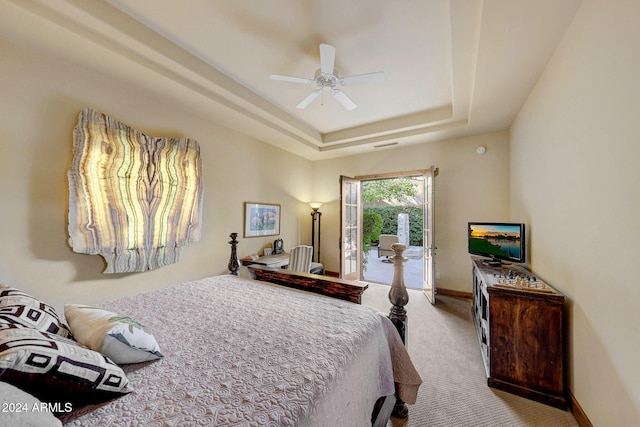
(497, 240)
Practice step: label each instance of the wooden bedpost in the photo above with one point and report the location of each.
(234, 264)
(399, 297)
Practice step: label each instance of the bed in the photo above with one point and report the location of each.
(239, 352)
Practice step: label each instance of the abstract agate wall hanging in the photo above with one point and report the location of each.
(133, 199)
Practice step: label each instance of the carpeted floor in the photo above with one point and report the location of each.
(444, 349)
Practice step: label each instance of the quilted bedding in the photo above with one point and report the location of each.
(243, 353)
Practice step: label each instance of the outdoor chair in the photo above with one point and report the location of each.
(384, 246)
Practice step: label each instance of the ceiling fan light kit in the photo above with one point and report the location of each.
(326, 79)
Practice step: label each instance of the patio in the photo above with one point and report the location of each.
(380, 270)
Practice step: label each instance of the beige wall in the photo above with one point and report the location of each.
(575, 179)
(569, 172)
(41, 98)
(470, 187)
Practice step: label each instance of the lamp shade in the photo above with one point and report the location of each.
(315, 205)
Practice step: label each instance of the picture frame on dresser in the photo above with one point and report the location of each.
(261, 219)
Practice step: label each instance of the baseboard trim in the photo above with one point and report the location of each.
(439, 291)
(453, 293)
(578, 412)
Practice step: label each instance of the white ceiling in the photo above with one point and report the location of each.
(452, 67)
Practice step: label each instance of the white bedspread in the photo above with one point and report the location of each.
(245, 353)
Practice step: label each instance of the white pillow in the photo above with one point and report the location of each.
(120, 338)
(23, 410)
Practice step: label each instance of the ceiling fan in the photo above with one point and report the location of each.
(327, 80)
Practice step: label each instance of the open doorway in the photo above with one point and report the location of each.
(352, 243)
(392, 211)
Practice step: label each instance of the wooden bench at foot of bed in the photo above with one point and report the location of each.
(348, 290)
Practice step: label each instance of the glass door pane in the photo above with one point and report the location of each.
(351, 233)
(428, 281)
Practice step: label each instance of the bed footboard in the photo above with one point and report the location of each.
(348, 290)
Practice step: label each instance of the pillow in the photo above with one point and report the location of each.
(31, 317)
(10, 296)
(120, 338)
(57, 370)
(22, 409)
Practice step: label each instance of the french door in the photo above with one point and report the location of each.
(428, 236)
(351, 229)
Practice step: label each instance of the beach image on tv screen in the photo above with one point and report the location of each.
(499, 240)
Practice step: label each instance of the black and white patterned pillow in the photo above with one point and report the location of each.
(10, 296)
(58, 370)
(31, 317)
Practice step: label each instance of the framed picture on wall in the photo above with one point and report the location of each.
(261, 219)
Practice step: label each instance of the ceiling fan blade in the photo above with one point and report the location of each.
(309, 99)
(359, 79)
(343, 99)
(327, 58)
(291, 79)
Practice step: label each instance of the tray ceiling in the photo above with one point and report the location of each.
(452, 68)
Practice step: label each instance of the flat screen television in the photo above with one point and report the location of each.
(499, 241)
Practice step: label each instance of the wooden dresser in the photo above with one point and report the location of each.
(519, 323)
